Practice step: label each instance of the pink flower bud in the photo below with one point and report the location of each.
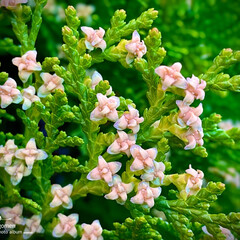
(119, 190)
(61, 196)
(9, 93)
(30, 154)
(13, 215)
(189, 116)
(27, 64)
(7, 153)
(106, 108)
(94, 38)
(154, 173)
(29, 97)
(135, 48)
(130, 120)
(122, 144)
(104, 171)
(194, 182)
(33, 226)
(66, 225)
(51, 83)
(194, 90)
(92, 231)
(146, 194)
(171, 76)
(142, 158)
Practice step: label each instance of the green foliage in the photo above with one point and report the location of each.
(61, 125)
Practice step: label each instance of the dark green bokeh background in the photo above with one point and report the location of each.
(193, 33)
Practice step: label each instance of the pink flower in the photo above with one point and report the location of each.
(7, 153)
(51, 83)
(92, 231)
(104, 171)
(171, 76)
(27, 64)
(155, 173)
(94, 38)
(30, 154)
(17, 171)
(33, 226)
(129, 120)
(11, 3)
(122, 144)
(189, 115)
(29, 97)
(96, 78)
(106, 108)
(194, 182)
(135, 48)
(194, 90)
(13, 215)
(9, 93)
(146, 194)
(119, 190)
(194, 137)
(66, 225)
(142, 158)
(61, 196)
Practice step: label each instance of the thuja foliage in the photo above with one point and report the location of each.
(121, 154)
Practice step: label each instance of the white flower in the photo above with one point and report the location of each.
(29, 97)
(30, 154)
(61, 196)
(92, 231)
(66, 225)
(33, 226)
(154, 174)
(119, 190)
(17, 171)
(7, 153)
(12, 216)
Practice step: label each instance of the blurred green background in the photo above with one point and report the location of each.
(193, 33)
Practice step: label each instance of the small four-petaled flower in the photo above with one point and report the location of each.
(119, 190)
(94, 38)
(61, 196)
(29, 97)
(30, 154)
(17, 171)
(51, 83)
(66, 225)
(33, 226)
(146, 194)
(104, 171)
(27, 64)
(7, 153)
(12, 216)
(143, 159)
(122, 144)
(92, 231)
(130, 120)
(171, 76)
(195, 180)
(9, 93)
(135, 48)
(106, 108)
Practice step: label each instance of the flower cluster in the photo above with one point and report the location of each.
(14, 217)
(26, 66)
(25, 159)
(143, 160)
(193, 89)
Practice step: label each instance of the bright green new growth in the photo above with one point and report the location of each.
(184, 215)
